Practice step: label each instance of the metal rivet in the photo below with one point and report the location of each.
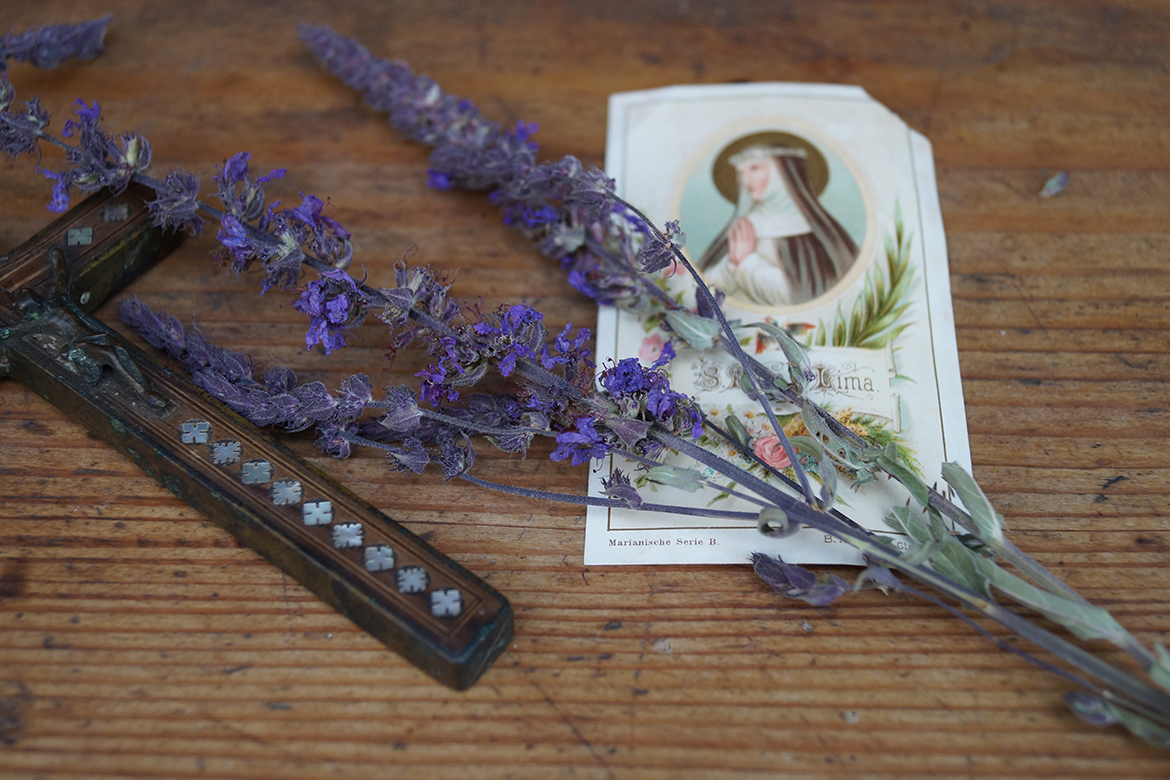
(84, 299)
(412, 579)
(446, 603)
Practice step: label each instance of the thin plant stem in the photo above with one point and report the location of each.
(611, 503)
(737, 351)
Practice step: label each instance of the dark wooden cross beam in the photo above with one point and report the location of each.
(420, 603)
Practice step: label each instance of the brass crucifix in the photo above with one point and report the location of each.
(421, 604)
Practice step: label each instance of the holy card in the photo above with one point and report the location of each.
(813, 209)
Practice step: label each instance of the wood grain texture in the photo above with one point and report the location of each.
(139, 640)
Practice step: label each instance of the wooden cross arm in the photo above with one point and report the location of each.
(417, 601)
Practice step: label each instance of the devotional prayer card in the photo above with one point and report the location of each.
(813, 209)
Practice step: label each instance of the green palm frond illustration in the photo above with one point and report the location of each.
(874, 321)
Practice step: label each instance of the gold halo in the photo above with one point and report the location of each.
(723, 172)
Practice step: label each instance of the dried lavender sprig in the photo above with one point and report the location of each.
(613, 503)
(20, 133)
(588, 437)
(561, 204)
(100, 161)
(230, 377)
(49, 46)
(656, 250)
(172, 335)
(423, 112)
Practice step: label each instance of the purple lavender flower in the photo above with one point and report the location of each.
(625, 378)
(556, 203)
(99, 160)
(282, 257)
(49, 46)
(356, 394)
(161, 330)
(177, 203)
(20, 132)
(241, 247)
(657, 251)
(328, 240)
(618, 486)
(453, 457)
(59, 202)
(520, 334)
(402, 414)
(334, 304)
(581, 446)
(797, 582)
(242, 197)
(230, 377)
(638, 389)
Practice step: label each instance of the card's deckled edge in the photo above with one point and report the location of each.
(948, 380)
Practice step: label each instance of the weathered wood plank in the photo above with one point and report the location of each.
(138, 640)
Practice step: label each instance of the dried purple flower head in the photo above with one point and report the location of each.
(797, 582)
(334, 304)
(160, 330)
(641, 391)
(517, 333)
(242, 196)
(455, 458)
(582, 445)
(655, 254)
(177, 203)
(239, 244)
(401, 414)
(230, 377)
(49, 46)
(618, 486)
(99, 160)
(19, 132)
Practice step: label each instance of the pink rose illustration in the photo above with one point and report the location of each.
(651, 348)
(771, 451)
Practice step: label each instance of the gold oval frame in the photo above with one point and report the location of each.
(867, 249)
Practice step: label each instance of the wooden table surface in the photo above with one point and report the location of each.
(139, 640)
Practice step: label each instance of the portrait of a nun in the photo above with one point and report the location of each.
(780, 247)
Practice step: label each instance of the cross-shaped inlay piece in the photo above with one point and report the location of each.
(225, 452)
(286, 492)
(318, 512)
(378, 557)
(348, 535)
(446, 603)
(195, 431)
(412, 579)
(255, 472)
(79, 236)
(116, 212)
